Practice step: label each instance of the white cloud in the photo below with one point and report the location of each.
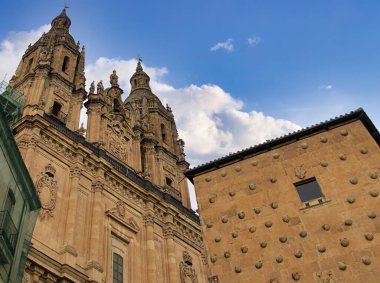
(209, 120)
(227, 45)
(328, 87)
(13, 47)
(254, 40)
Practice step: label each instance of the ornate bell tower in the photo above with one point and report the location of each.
(51, 75)
(162, 153)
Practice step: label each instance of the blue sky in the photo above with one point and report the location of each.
(275, 64)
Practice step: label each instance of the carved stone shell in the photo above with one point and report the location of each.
(252, 187)
(234, 234)
(324, 164)
(344, 242)
(364, 150)
(343, 157)
(366, 260)
(344, 132)
(373, 193)
(276, 155)
(227, 254)
(369, 236)
(214, 258)
(257, 210)
(259, 264)
(252, 229)
(286, 219)
(326, 227)
(263, 244)
(244, 250)
(232, 193)
(348, 222)
(342, 266)
(321, 249)
(354, 181)
(268, 224)
(238, 168)
(237, 269)
(303, 234)
(323, 139)
(241, 215)
(304, 145)
(372, 215)
(218, 239)
(254, 163)
(296, 276)
(224, 219)
(373, 175)
(298, 254)
(274, 205)
(209, 225)
(350, 199)
(273, 179)
(283, 239)
(279, 259)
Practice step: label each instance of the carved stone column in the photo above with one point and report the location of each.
(96, 236)
(70, 228)
(168, 231)
(74, 112)
(150, 255)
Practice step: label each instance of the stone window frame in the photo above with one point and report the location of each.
(312, 202)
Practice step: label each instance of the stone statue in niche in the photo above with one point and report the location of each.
(300, 171)
(47, 190)
(186, 269)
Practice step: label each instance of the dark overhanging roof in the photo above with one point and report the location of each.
(358, 114)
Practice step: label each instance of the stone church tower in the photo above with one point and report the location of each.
(115, 202)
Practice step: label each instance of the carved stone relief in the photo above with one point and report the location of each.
(118, 142)
(300, 171)
(186, 269)
(47, 190)
(119, 213)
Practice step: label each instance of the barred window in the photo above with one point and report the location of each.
(117, 268)
(309, 192)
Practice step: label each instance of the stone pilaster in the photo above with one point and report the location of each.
(168, 232)
(150, 251)
(69, 240)
(96, 235)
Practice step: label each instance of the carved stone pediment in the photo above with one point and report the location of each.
(120, 214)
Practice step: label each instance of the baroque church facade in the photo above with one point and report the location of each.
(115, 201)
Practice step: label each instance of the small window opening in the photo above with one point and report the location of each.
(116, 106)
(168, 181)
(117, 268)
(30, 63)
(65, 63)
(163, 133)
(134, 82)
(309, 192)
(51, 175)
(56, 108)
